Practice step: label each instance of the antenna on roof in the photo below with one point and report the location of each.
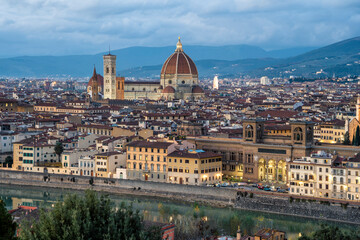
(109, 49)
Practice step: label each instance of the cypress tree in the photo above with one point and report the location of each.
(7, 226)
(357, 136)
(346, 139)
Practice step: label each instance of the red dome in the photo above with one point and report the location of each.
(179, 63)
(168, 89)
(197, 89)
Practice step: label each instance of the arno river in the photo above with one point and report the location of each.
(226, 220)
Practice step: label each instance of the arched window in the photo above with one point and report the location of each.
(183, 82)
(170, 82)
(298, 134)
(249, 131)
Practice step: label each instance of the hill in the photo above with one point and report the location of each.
(339, 59)
(129, 58)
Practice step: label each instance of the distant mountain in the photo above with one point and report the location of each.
(339, 59)
(129, 58)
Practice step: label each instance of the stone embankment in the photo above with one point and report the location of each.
(217, 197)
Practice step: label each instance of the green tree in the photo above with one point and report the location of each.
(89, 217)
(7, 226)
(353, 140)
(356, 137)
(346, 138)
(9, 161)
(59, 149)
(327, 232)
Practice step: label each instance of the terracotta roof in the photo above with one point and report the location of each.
(194, 154)
(179, 63)
(147, 144)
(197, 89)
(168, 89)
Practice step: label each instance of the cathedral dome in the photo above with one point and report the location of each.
(168, 89)
(179, 63)
(197, 89)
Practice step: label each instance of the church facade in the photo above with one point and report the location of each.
(179, 79)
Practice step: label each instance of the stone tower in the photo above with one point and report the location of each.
(94, 87)
(120, 87)
(109, 76)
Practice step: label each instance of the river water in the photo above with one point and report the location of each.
(224, 220)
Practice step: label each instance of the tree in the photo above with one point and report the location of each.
(346, 138)
(7, 226)
(327, 232)
(59, 149)
(9, 161)
(356, 137)
(89, 217)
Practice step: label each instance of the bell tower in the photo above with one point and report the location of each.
(94, 87)
(109, 76)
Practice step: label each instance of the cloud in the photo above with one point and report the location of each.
(60, 27)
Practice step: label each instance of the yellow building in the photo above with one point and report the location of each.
(332, 132)
(194, 167)
(17, 155)
(106, 163)
(147, 160)
(278, 130)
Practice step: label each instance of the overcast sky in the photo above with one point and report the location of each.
(63, 27)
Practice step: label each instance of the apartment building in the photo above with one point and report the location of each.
(35, 154)
(325, 176)
(194, 167)
(332, 132)
(147, 160)
(107, 162)
(70, 158)
(87, 166)
(352, 171)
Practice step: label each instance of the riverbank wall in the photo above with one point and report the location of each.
(214, 196)
(217, 197)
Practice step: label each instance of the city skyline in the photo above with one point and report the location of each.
(63, 28)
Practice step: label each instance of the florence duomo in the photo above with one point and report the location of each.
(179, 79)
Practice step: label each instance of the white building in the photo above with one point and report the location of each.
(216, 83)
(265, 81)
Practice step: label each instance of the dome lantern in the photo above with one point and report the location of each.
(179, 46)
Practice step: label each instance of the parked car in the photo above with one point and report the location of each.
(260, 187)
(281, 191)
(267, 189)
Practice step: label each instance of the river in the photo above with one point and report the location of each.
(224, 220)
